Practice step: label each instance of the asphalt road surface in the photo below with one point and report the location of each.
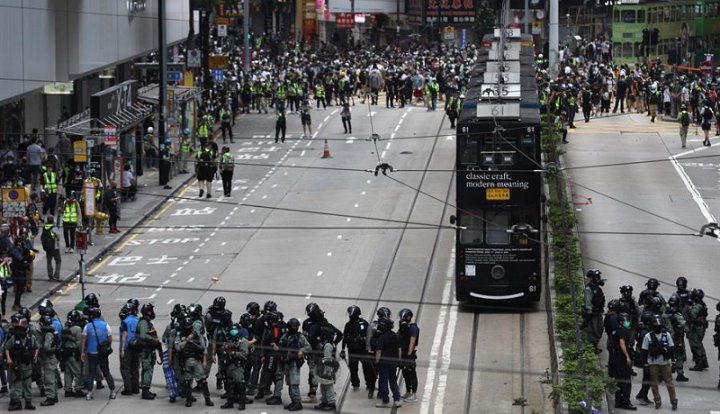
(301, 228)
(640, 198)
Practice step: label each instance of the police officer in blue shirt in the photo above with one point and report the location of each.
(129, 360)
(95, 347)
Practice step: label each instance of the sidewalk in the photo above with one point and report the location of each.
(151, 196)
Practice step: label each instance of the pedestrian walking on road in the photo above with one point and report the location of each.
(684, 119)
(305, 119)
(707, 115)
(280, 122)
(112, 200)
(72, 215)
(50, 240)
(204, 170)
(227, 166)
(346, 117)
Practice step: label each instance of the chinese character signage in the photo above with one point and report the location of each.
(344, 21)
(443, 7)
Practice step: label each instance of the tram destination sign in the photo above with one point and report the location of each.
(498, 187)
(505, 77)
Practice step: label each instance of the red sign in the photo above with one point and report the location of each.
(344, 21)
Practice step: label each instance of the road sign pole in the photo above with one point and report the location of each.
(162, 49)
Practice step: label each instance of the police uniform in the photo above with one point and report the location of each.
(129, 358)
(327, 389)
(619, 363)
(149, 343)
(235, 353)
(21, 349)
(696, 319)
(355, 338)
(280, 123)
(593, 312)
(50, 187)
(190, 349)
(294, 343)
(48, 359)
(71, 358)
(677, 330)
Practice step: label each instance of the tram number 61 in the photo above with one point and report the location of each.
(532, 288)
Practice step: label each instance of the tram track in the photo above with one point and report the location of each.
(398, 245)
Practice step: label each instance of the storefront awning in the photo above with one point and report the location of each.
(179, 94)
(83, 124)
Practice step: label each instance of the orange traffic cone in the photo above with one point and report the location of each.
(326, 150)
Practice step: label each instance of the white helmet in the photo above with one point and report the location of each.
(150, 130)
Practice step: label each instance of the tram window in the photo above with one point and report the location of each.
(496, 227)
(641, 16)
(627, 49)
(652, 15)
(628, 16)
(616, 16)
(470, 150)
(472, 233)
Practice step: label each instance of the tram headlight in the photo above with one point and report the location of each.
(497, 272)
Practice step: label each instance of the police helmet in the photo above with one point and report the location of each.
(673, 302)
(94, 312)
(195, 310)
(353, 312)
(44, 309)
(280, 316)
(309, 308)
(384, 313)
(697, 294)
(627, 289)
(46, 303)
(219, 303)
(74, 318)
(655, 303)
(270, 306)
(293, 325)
(150, 130)
(246, 320)
(178, 309)
(46, 320)
(186, 322)
(148, 311)
(385, 324)
(271, 318)
(652, 283)
(19, 323)
(616, 305)
(593, 274)
(646, 318)
(91, 300)
(124, 311)
(135, 303)
(656, 321)
(405, 315)
(717, 306)
(253, 308)
(681, 282)
(25, 313)
(234, 331)
(225, 149)
(132, 308)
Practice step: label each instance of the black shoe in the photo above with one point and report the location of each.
(208, 402)
(219, 381)
(79, 394)
(136, 390)
(295, 406)
(99, 385)
(273, 401)
(697, 367)
(372, 392)
(321, 406)
(230, 403)
(674, 404)
(682, 378)
(330, 407)
(260, 395)
(147, 395)
(29, 406)
(643, 400)
(126, 392)
(627, 406)
(15, 406)
(201, 193)
(48, 402)
(658, 404)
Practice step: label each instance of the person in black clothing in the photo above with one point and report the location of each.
(620, 362)
(111, 199)
(387, 357)
(390, 93)
(622, 87)
(586, 97)
(408, 333)
(355, 339)
(643, 328)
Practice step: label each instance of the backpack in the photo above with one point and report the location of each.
(374, 80)
(685, 119)
(205, 159)
(707, 114)
(658, 347)
(48, 240)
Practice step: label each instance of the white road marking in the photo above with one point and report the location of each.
(356, 205)
(273, 186)
(387, 147)
(264, 197)
(223, 243)
(397, 127)
(447, 349)
(308, 296)
(319, 126)
(191, 279)
(166, 282)
(326, 119)
(319, 273)
(334, 112)
(202, 244)
(170, 301)
(400, 122)
(367, 182)
(362, 193)
(231, 213)
(383, 154)
(404, 115)
(212, 234)
(329, 254)
(302, 153)
(339, 237)
(158, 289)
(227, 217)
(308, 144)
(252, 211)
(696, 196)
(153, 296)
(186, 262)
(179, 269)
(348, 219)
(235, 209)
(450, 138)
(207, 239)
(315, 134)
(223, 223)
(285, 173)
(437, 340)
(392, 135)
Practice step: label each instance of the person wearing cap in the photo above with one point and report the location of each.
(184, 151)
(50, 239)
(227, 166)
(111, 200)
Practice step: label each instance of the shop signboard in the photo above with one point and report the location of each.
(344, 21)
(113, 100)
(193, 58)
(80, 151)
(110, 136)
(222, 30)
(218, 62)
(13, 202)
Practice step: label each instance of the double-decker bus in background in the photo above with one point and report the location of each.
(499, 195)
(686, 31)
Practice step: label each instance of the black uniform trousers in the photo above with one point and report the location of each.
(364, 358)
(622, 372)
(226, 176)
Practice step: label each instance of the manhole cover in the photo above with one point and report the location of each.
(406, 152)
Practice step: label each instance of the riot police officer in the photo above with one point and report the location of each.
(716, 336)
(645, 325)
(374, 335)
(682, 293)
(408, 335)
(254, 361)
(676, 319)
(355, 339)
(631, 308)
(315, 317)
(21, 351)
(234, 353)
(295, 346)
(71, 337)
(149, 344)
(270, 356)
(696, 318)
(594, 307)
(190, 348)
(620, 361)
(129, 359)
(217, 321)
(651, 291)
(48, 359)
(326, 368)
(168, 338)
(615, 308)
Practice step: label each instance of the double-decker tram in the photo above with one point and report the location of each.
(499, 199)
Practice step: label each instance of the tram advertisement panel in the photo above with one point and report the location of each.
(486, 188)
